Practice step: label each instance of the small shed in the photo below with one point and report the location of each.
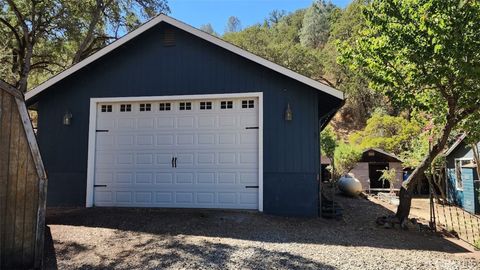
(463, 184)
(23, 186)
(368, 169)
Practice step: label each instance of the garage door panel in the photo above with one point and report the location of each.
(216, 155)
(126, 124)
(166, 122)
(146, 123)
(165, 139)
(163, 178)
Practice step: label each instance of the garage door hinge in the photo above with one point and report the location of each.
(251, 128)
(99, 185)
(251, 186)
(101, 130)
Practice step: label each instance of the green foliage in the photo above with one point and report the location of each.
(390, 176)
(346, 156)
(208, 28)
(417, 151)
(393, 134)
(317, 24)
(424, 56)
(413, 53)
(361, 99)
(41, 38)
(279, 42)
(328, 142)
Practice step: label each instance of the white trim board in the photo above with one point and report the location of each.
(203, 35)
(93, 125)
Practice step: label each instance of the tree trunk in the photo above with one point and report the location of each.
(79, 55)
(476, 157)
(406, 191)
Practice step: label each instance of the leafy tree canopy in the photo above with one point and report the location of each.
(425, 57)
(317, 23)
(394, 134)
(346, 157)
(41, 38)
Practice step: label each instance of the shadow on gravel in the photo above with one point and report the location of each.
(180, 253)
(356, 229)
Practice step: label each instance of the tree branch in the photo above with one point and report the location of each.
(20, 18)
(14, 31)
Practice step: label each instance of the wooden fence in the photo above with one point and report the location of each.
(23, 186)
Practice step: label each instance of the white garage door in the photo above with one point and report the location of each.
(177, 153)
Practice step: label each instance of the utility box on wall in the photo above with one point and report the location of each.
(23, 186)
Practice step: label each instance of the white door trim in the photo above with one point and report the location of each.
(93, 125)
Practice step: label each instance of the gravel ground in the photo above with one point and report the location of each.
(123, 238)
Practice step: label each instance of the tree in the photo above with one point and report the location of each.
(276, 16)
(208, 28)
(45, 36)
(233, 24)
(346, 157)
(316, 24)
(424, 56)
(328, 144)
(280, 43)
(389, 175)
(394, 134)
(362, 100)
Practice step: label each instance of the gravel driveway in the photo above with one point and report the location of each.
(121, 238)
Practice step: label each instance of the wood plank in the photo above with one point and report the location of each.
(42, 182)
(3, 171)
(10, 89)
(11, 188)
(32, 140)
(30, 211)
(20, 218)
(5, 126)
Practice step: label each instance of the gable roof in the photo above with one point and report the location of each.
(455, 144)
(382, 152)
(203, 35)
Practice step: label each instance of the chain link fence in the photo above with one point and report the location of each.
(455, 220)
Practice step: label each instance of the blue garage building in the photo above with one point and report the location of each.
(170, 116)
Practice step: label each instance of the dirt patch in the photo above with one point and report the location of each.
(124, 238)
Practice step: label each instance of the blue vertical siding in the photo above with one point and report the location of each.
(468, 190)
(454, 195)
(468, 197)
(144, 67)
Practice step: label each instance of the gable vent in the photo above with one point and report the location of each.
(168, 38)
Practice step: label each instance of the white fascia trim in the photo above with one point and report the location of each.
(217, 41)
(93, 125)
(455, 145)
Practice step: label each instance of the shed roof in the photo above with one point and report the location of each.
(203, 35)
(455, 144)
(389, 156)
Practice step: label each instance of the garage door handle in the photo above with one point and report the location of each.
(251, 186)
(99, 185)
(175, 162)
